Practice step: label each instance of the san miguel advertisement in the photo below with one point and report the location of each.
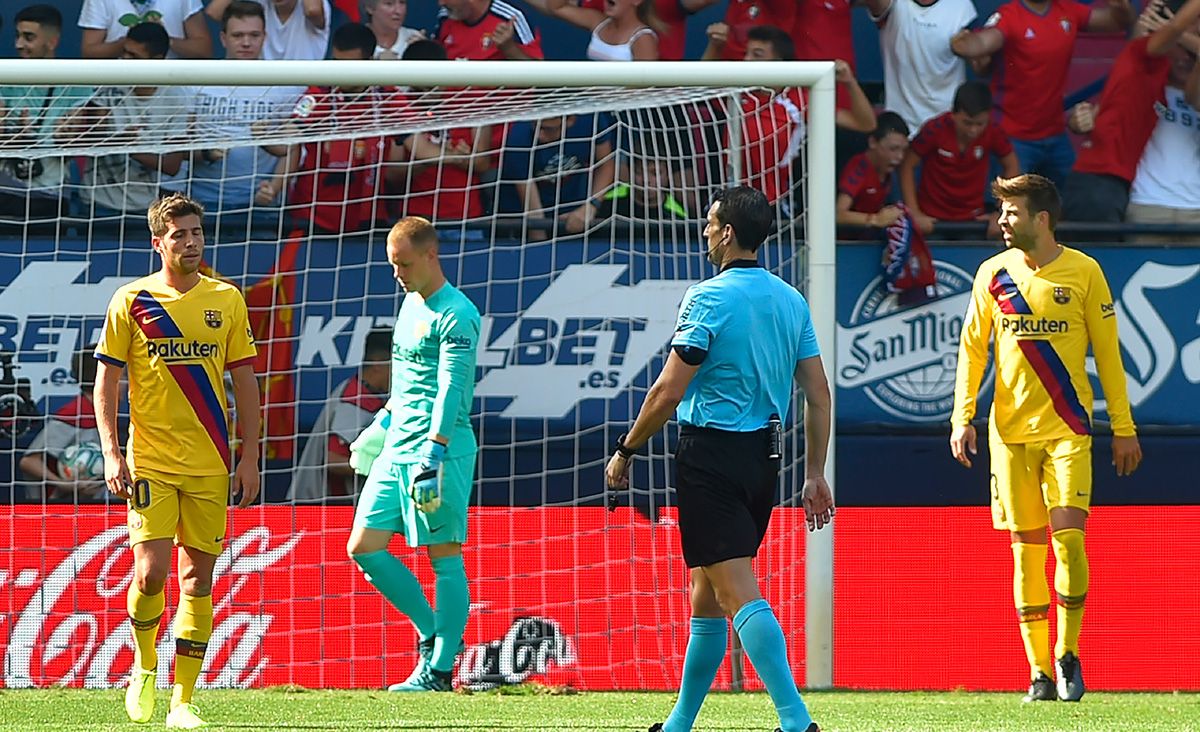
(896, 365)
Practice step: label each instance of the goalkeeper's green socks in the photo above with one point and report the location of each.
(453, 606)
(401, 588)
(763, 640)
(705, 651)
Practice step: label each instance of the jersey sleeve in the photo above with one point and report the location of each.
(1100, 315)
(239, 348)
(998, 141)
(458, 333)
(851, 179)
(924, 142)
(808, 346)
(697, 324)
(117, 338)
(1081, 14)
(972, 352)
(91, 16)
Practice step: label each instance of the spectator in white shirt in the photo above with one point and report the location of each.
(297, 30)
(920, 72)
(1166, 188)
(106, 22)
(386, 19)
(150, 115)
(226, 177)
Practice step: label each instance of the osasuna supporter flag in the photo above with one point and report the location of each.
(177, 347)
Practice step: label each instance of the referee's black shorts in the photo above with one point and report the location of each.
(725, 488)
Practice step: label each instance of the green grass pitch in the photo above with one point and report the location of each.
(281, 710)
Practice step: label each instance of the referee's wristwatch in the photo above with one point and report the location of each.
(623, 450)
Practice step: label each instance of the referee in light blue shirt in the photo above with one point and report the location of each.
(741, 338)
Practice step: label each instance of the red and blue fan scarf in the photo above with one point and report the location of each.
(907, 264)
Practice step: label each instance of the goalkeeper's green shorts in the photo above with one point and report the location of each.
(385, 503)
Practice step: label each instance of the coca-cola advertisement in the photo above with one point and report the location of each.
(562, 596)
(595, 600)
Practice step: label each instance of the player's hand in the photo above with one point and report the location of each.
(962, 441)
(369, 443)
(718, 34)
(246, 481)
(117, 477)
(426, 488)
(817, 499)
(1127, 454)
(503, 35)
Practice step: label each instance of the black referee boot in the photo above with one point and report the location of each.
(656, 727)
(810, 728)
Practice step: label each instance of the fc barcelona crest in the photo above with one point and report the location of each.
(212, 318)
(1062, 295)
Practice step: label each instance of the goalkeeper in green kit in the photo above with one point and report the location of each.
(419, 455)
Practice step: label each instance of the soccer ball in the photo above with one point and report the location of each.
(82, 461)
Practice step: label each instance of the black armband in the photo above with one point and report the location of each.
(690, 355)
(622, 449)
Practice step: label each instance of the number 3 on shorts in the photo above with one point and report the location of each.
(141, 493)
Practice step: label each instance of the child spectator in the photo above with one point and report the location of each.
(955, 152)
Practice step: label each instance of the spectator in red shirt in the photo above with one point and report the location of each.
(773, 123)
(440, 178)
(1098, 187)
(1037, 38)
(821, 30)
(339, 181)
(955, 151)
(486, 30)
(727, 39)
(866, 182)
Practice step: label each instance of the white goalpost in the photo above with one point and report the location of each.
(569, 198)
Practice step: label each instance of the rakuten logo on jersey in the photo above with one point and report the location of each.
(73, 628)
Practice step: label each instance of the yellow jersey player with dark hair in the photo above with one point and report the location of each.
(177, 332)
(1043, 304)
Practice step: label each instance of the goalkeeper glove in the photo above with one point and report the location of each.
(426, 488)
(369, 443)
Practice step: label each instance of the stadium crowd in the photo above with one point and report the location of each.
(924, 158)
(939, 139)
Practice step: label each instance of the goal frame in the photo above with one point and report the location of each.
(820, 232)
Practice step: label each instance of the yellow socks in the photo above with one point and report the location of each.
(193, 627)
(1071, 585)
(145, 612)
(1032, 598)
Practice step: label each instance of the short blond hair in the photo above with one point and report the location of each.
(419, 231)
(168, 208)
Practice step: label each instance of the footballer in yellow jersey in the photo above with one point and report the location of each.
(177, 347)
(176, 332)
(1042, 305)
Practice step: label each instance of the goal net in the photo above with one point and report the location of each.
(570, 206)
